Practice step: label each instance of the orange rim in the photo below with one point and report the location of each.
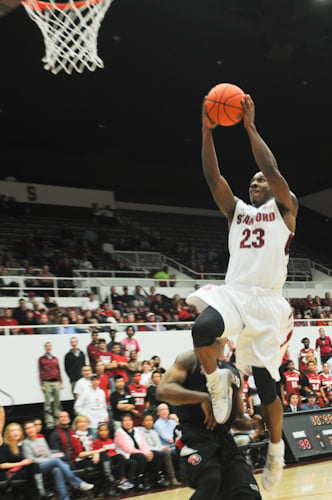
(38, 5)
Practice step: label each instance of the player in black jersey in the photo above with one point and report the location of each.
(215, 467)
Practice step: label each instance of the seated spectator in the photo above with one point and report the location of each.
(311, 402)
(140, 297)
(165, 426)
(37, 449)
(131, 443)
(126, 298)
(294, 403)
(50, 303)
(311, 306)
(14, 465)
(152, 325)
(29, 321)
(8, 320)
(327, 302)
(7, 282)
(116, 300)
(65, 326)
(60, 438)
(30, 280)
(44, 320)
(129, 343)
(80, 321)
(85, 455)
(90, 303)
(131, 318)
(162, 276)
(45, 278)
(18, 312)
(92, 404)
(170, 457)
(124, 469)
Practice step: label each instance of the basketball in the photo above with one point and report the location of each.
(223, 104)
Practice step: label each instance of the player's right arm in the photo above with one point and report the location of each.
(171, 390)
(219, 187)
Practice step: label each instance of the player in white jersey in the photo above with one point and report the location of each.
(250, 304)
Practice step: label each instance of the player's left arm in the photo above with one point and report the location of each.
(267, 163)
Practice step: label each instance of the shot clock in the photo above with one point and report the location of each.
(308, 434)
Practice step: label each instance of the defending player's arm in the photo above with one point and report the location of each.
(170, 388)
(219, 187)
(268, 165)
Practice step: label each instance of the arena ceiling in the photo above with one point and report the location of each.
(134, 126)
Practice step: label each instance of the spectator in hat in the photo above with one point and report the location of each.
(311, 402)
(152, 325)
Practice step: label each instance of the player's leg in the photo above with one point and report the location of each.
(272, 412)
(208, 326)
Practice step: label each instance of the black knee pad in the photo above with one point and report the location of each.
(265, 384)
(207, 327)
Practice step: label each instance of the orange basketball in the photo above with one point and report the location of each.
(223, 104)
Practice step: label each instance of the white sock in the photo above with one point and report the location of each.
(212, 378)
(275, 448)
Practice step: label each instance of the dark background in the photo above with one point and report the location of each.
(134, 126)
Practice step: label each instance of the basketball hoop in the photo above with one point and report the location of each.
(70, 32)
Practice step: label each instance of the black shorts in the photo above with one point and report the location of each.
(235, 474)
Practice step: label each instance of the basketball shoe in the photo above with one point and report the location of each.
(221, 395)
(273, 469)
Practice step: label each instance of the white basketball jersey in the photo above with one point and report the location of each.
(258, 243)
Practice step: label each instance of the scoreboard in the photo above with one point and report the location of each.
(308, 434)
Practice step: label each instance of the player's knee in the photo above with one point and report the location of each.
(265, 384)
(207, 327)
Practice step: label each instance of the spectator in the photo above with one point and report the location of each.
(293, 404)
(151, 398)
(328, 404)
(310, 306)
(131, 443)
(162, 276)
(104, 383)
(290, 382)
(60, 437)
(8, 320)
(50, 303)
(327, 302)
(87, 456)
(146, 372)
(129, 343)
(39, 426)
(304, 354)
(140, 297)
(116, 300)
(90, 303)
(29, 321)
(92, 404)
(74, 361)
(311, 402)
(324, 345)
(122, 362)
(12, 460)
(133, 365)
(152, 326)
(119, 464)
(112, 334)
(139, 394)
(65, 326)
(44, 321)
(155, 363)
(126, 298)
(131, 318)
(7, 282)
(83, 382)
(45, 277)
(165, 426)
(18, 312)
(122, 401)
(93, 349)
(80, 321)
(312, 382)
(326, 381)
(170, 457)
(38, 451)
(51, 384)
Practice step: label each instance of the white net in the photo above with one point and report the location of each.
(70, 33)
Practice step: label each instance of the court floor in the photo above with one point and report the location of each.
(310, 481)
